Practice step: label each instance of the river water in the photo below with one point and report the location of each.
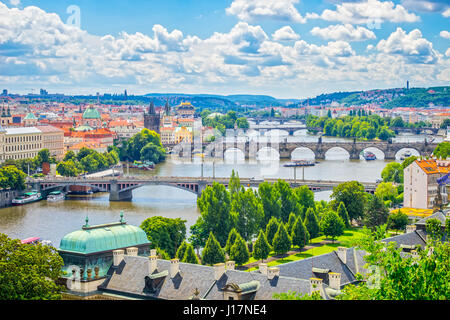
(51, 221)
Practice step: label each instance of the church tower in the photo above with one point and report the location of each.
(152, 119)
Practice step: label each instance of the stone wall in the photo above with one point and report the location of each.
(6, 197)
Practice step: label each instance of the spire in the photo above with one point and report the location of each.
(9, 112)
(122, 220)
(167, 108)
(151, 109)
(87, 222)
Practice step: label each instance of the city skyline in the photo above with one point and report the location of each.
(286, 49)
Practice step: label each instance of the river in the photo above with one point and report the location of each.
(51, 221)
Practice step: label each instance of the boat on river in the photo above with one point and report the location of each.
(145, 165)
(28, 197)
(301, 163)
(369, 156)
(56, 196)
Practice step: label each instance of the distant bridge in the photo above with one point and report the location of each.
(290, 129)
(251, 148)
(121, 189)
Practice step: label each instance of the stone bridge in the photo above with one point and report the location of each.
(285, 149)
(121, 189)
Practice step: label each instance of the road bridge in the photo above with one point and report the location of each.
(121, 189)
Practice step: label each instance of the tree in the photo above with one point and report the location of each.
(271, 229)
(442, 150)
(199, 235)
(239, 251)
(271, 202)
(293, 295)
(408, 161)
(67, 169)
(393, 172)
(447, 227)
(214, 205)
(235, 185)
(291, 222)
(29, 272)
(43, 156)
(13, 178)
(397, 221)
(70, 155)
(181, 250)
(299, 234)
(387, 192)
(332, 225)
(189, 255)
(212, 253)
(305, 197)
(165, 233)
(377, 214)
(425, 277)
(262, 248)
(281, 242)
(288, 199)
(353, 196)
(153, 153)
(247, 212)
(434, 229)
(231, 240)
(342, 212)
(311, 224)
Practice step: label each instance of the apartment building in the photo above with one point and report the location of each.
(420, 183)
(53, 140)
(20, 143)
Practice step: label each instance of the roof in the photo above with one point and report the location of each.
(30, 116)
(408, 239)
(91, 113)
(430, 166)
(103, 238)
(19, 131)
(438, 215)
(49, 129)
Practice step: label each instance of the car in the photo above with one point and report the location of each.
(379, 181)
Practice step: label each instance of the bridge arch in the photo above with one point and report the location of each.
(268, 153)
(277, 133)
(301, 153)
(189, 187)
(337, 153)
(234, 155)
(414, 152)
(102, 187)
(377, 151)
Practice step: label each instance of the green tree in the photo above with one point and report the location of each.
(408, 161)
(43, 156)
(70, 155)
(305, 197)
(239, 251)
(271, 202)
(199, 235)
(271, 229)
(231, 240)
(262, 248)
(189, 255)
(29, 272)
(214, 205)
(291, 222)
(377, 214)
(353, 196)
(434, 229)
(293, 295)
(311, 224)
(68, 169)
(181, 250)
(397, 221)
(282, 243)
(234, 186)
(299, 234)
(152, 152)
(165, 233)
(13, 178)
(247, 212)
(332, 225)
(288, 199)
(342, 212)
(213, 252)
(442, 150)
(393, 172)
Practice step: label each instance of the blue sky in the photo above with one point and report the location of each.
(283, 48)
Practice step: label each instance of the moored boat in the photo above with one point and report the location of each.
(56, 196)
(28, 197)
(369, 156)
(301, 163)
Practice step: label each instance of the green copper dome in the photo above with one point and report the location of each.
(30, 116)
(103, 238)
(91, 113)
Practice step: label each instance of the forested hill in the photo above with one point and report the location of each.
(388, 98)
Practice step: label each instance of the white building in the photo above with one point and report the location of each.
(420, 183)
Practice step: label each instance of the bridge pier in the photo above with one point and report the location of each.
(201, 186)
(116, 194)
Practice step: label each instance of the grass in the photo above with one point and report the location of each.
(346, 240)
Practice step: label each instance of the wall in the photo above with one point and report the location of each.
(6, 197)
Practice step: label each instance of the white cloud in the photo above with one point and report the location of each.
(446, 13)
(285, 34)
(412, 46)
(445, 34)
(447, 53)
(250, 10)
(14, 2)
(369, 12)
(343, 32)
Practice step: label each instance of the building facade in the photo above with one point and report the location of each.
(420, 183)
(152, 120)
(53, 140)
(20, 143)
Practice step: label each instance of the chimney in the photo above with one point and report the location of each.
(315, 285)
(273, 272)
(219, 270)
(153, 264)
(117, 257)
(342, 254)
(153, 252)
(263, 268)
(230, 265)
(335, 280)
(411, 228)
(174, 268)
(133, 251)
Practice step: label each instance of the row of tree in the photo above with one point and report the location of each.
(223, 122)
(86, 161)
(362, 127)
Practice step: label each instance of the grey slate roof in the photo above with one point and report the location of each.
(438, 215)
(412, 238)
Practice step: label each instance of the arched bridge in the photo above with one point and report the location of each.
(121, 189)
(251, 148)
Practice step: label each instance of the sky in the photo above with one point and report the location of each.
(283, 48)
